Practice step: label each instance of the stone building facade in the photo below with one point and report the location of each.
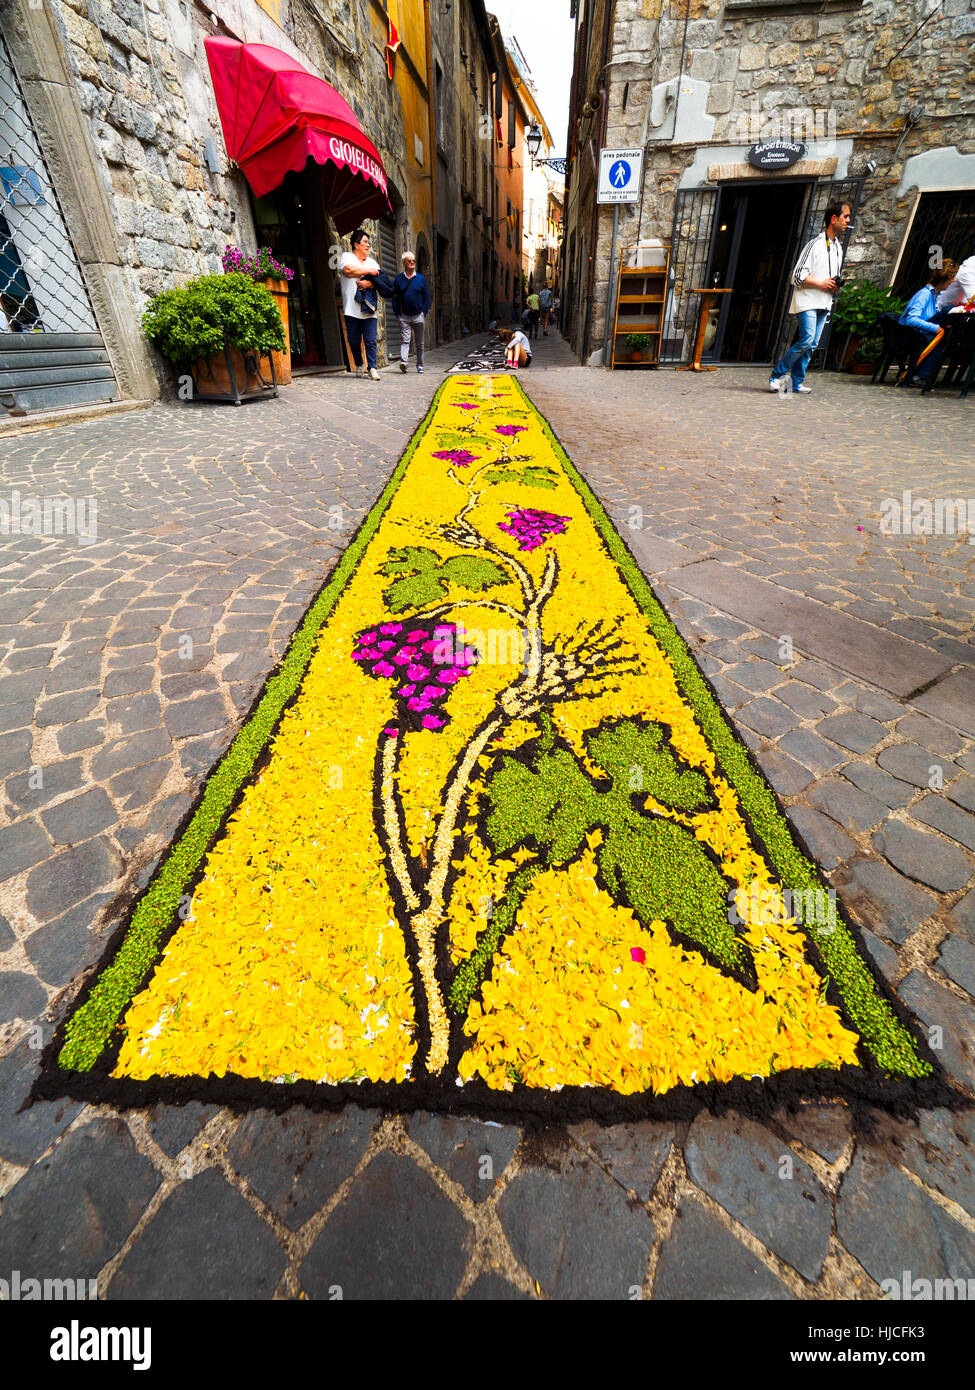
(128, 148)
(512, 117)
(880, 95)
(465, 64)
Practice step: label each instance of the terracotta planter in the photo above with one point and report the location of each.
(212, 377)
(863, 368)
(636, 356)
(847, 351)
(282, 360)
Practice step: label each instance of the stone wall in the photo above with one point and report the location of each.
(752, 73)
(173, 217)
(143, 84)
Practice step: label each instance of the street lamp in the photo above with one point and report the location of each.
(533, 139)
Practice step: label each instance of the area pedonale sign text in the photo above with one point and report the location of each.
(776, 154)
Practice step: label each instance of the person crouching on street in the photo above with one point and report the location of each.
(815, 282)
(411, 304)
(518, 352)
(360, 322)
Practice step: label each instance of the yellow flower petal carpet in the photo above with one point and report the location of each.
(487, 842)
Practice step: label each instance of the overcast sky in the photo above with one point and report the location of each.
(545, 34)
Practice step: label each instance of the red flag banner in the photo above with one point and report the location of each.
(392, 46)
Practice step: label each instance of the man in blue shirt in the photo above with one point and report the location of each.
(411, 304)
(920, 315)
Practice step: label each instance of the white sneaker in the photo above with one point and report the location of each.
(802, 390)
(360, 372)
(373, 374)
(775, 383)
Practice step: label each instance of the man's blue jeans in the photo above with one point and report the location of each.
(362, 331)
(810, 324)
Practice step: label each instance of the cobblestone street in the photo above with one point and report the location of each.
(843, 657)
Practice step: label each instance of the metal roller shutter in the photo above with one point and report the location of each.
(51, 351)
(390, 263)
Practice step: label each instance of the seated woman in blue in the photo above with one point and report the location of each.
(920, 311)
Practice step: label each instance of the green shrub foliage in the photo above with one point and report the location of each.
(198, 318)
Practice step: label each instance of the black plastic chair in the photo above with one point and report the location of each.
(902, 345)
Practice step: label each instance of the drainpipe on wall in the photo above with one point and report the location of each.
(603, 123)
(432, 140)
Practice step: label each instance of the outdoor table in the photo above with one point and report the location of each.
(958, 352)
(708, 293)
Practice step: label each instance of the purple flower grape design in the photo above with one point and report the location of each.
(531, 528)
(464, 405)
(429, 658)
(461, 457)
(509, 430)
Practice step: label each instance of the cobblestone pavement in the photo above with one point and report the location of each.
(129, 662)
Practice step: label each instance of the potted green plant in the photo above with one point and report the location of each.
(217, 328)
(264, 267)
(857, 310)
(868, 353)
(638, 343)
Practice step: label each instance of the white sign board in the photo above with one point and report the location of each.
(620, 176)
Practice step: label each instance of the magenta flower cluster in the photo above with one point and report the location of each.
(509, 430)
(465, 405)
(461, 457)
(531, 528)
(428, 659)
(261, 266)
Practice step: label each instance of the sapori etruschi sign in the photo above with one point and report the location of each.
(776, 154)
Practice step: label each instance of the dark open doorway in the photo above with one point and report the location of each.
(754, 246)
(284, 221)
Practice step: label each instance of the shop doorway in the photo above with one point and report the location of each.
(284, 220)
(753, 249)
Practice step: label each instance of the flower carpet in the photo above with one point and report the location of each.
(487, 358)
(487, 842)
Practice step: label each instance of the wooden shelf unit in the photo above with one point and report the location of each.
(640, 297)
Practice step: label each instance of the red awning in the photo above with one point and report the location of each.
(276, 116)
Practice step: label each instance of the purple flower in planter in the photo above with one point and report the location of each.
(434, 657)
(509, 430)
(461, 457)
(531, 528)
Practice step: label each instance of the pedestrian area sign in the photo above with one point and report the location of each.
(620, 173)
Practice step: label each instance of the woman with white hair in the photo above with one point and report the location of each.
(411, 304)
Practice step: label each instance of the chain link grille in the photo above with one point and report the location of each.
(41, 286)
(690, 244)
(943, 222)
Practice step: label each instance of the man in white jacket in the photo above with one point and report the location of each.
(815, 282)
(961, 289)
